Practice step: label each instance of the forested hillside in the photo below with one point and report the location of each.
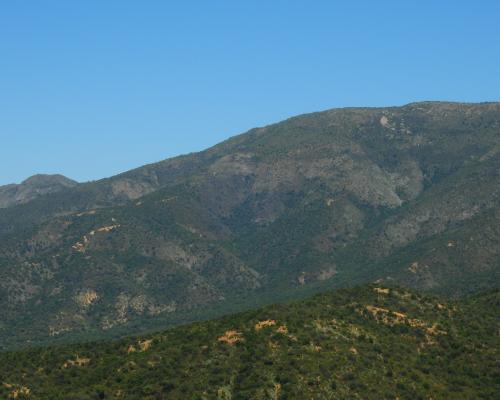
(370, 342)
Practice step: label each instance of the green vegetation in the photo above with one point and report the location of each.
(407, 195)
(370, 342)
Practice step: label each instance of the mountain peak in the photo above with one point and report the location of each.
(48, 179)
(32, 188)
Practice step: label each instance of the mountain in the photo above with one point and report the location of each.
(406, 195)
(370, 342)
(33, 187)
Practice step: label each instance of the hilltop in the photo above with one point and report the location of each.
(32, 188)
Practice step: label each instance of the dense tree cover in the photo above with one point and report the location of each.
(370, 342)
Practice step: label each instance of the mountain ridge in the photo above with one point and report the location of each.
(135, 170)
(321, 200)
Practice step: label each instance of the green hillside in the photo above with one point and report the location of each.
(370, 342)
(407, 195)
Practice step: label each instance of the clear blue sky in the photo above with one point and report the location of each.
(92, 88)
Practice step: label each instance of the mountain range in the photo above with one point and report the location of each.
(399, 195)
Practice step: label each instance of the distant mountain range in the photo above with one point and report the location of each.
(370, 342)
(406, 195)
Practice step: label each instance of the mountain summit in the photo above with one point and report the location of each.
(33, 187)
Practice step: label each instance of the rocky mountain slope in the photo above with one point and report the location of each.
(371, 342)
(407, 194)
(33, 187)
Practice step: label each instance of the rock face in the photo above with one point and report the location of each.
(321, 200)
(33, 187)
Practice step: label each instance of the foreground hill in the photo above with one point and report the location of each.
(404, 194)
(371, 342)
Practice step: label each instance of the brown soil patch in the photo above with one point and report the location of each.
(81, 246)
(145, 344)
(77, 362)
(131, 349)
(264, 324)
(231, 337)
(18, 391)
(413, 268)
(282, 329)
